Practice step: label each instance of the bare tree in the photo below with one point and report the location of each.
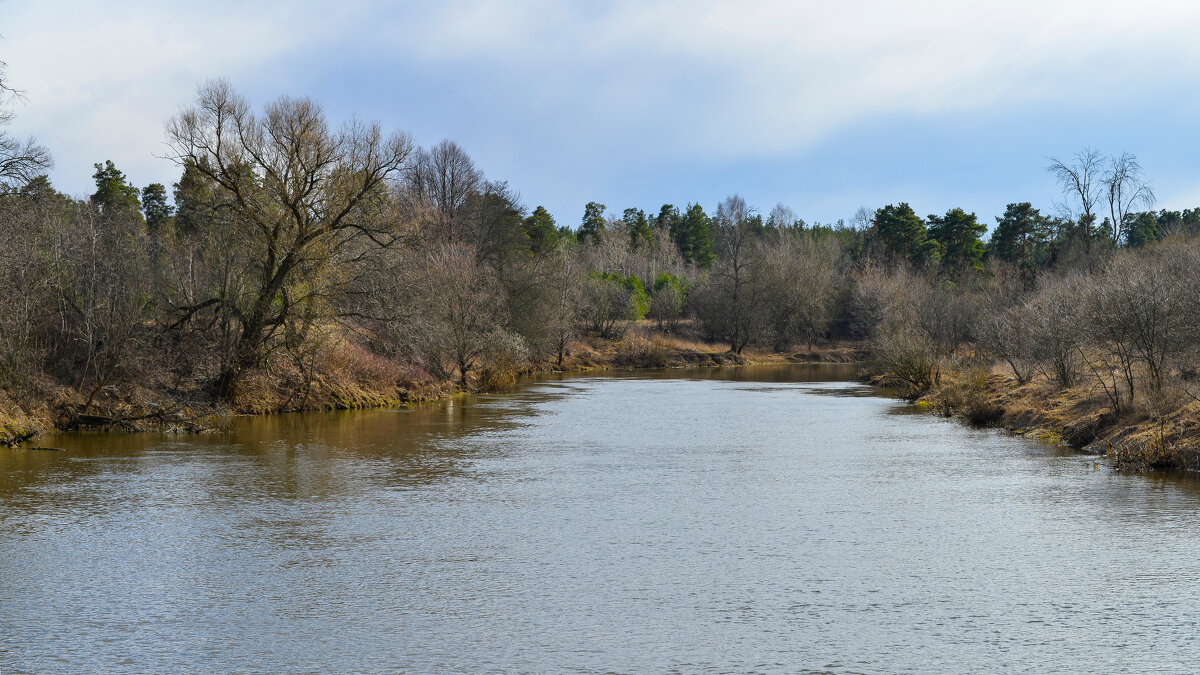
(27, 224)
(21, 160)
(732, 284)
(562, 302)
(304, 192)
(863, 219)
(444, 176)
(799, 287)
(607, 305)
(782, 217)
(1055, 327)
(1125, 187)
(101, 287)
(458, 321)
(1080, 182)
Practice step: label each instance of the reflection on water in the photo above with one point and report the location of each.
(753, 519)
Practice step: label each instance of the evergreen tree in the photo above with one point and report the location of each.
(593, 222)
(114, 194)
(693, 236)
(1022, 237)
(542, 233)
(39, 190)
(638, 227)
(155, 206)
(902, 231)
(958, 235)
(195, 200)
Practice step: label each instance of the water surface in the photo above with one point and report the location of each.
(736, 520)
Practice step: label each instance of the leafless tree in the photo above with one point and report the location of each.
(863, 219)
(444, 177)
(800, 279)
(27, 225)
(1125, 187)
(102, 290)
(21, 160)
(782, 217)
(668, 304)
(1143, 311)
(606, 305)
(1055, 327)
(561, 308)
(304, 192)
(732, 286)
(1002, 327)
(458, 318)
(1080, 181)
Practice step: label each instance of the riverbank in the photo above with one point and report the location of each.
(1139, 438)
(348, 376)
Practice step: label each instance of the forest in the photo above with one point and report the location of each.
(296, 264)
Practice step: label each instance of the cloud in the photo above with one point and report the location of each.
(586, 86)
(101, 80)
(767, 77)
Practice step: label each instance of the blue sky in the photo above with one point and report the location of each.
(823, 106)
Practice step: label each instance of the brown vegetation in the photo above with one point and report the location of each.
(304, 266)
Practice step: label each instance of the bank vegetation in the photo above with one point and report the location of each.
(298, 265)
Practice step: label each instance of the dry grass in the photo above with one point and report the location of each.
(345, 374)
(971, 394)
(1138, 439)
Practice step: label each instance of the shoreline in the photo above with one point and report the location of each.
(1134, 440)
(1071, 418)
(354, 380)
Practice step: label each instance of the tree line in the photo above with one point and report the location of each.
(287, 242)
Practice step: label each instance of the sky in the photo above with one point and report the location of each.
(822, 106)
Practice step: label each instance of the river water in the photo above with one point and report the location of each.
(748, 520)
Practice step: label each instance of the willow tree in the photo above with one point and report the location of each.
(305, 198)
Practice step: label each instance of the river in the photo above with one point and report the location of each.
(774, 519)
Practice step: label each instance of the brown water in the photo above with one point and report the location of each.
(750, 520)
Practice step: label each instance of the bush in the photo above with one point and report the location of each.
(610, 302)
(967, 395)
(668, 302)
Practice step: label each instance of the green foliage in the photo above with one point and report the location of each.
(114, 194)
(1143, 229)
(539, 227)
(155, 206)
(638, 227)
(195, 199)
(666, 280)
(593, 222)
(568, 236)
(757, 226)
(958, 235)
(1148, 227)
(1022, 237)
(693, 235)
(1016, 232)
(39, 190)
(639, 300)
(903, 232)
(667, 217)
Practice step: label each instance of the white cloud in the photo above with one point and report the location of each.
(101, 79)
(764, 75)
(681, 78)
